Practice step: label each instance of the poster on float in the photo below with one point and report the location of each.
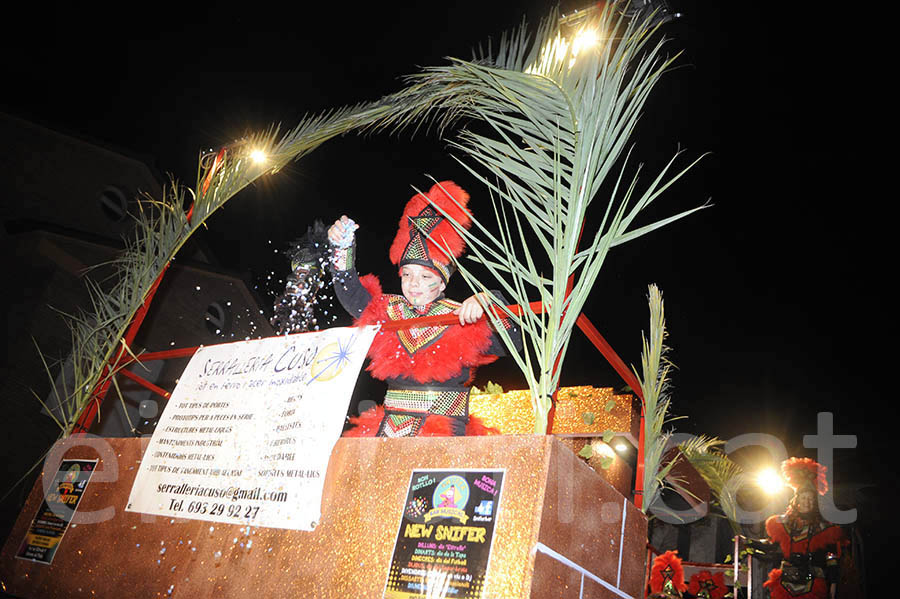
(52, 519)
(247, 434)
(443, 544)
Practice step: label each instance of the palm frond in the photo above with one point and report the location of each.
(654, 375)
(718, 470)
(162, 227)
(556, 121)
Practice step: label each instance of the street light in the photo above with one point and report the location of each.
(258, 156)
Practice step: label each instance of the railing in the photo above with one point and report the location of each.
(122, 361)
(734, 572)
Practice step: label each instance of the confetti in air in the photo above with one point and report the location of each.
(295, 309)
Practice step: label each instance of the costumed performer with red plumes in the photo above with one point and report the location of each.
(810, 545)
(428, 370)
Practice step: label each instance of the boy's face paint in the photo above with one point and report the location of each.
(420, 284)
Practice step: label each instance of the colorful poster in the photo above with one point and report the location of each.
(249, 429)
(444, 542)
(52, 520)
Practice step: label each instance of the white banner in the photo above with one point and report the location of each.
(247, 433)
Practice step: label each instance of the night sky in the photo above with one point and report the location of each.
(774, 312)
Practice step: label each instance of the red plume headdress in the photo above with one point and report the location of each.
(804, 472)
(425, 236)
(667, 575)
(706, 584)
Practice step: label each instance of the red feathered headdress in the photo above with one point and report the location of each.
(667, 575)
(425, 236)
(804, 472)
(706, 584)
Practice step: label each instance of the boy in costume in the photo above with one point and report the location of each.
(428, 369)
(810, 545)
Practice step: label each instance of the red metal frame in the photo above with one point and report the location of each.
(619, 366)
(582, 322)
(632, 381)
(734, 566)
(86, 419)
(93, 406)
(145, 383)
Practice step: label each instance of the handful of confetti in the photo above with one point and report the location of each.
(347, 236)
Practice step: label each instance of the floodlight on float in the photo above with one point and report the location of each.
(770, 481)
(603, 450)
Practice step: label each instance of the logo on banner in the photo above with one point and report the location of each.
(331, 360)
(259, 418)
(449, 500)
(485, 508)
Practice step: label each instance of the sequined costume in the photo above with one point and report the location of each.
(810, 545)
(428, 370)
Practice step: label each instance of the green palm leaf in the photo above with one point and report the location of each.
(554, 123)
(161, 228)
(557, 124)
(718, 470)
(654, 377)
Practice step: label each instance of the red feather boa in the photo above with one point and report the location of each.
(366, 425)
(819, 589)
(657, 580)
(716, 592)
(831, 536)
(458, 347)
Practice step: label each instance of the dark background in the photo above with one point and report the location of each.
(774, 295)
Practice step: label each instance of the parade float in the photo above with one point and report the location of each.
(246, 485)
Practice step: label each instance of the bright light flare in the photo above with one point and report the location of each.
(584, 39)
(258, 156)
(621, 447)
(603, 450)
(770, 481)
(561, 48)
